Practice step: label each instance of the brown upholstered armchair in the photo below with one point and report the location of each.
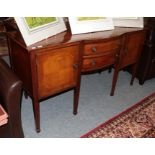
(10, 99)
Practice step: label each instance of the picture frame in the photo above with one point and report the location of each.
(90, 24)
(35, 29)
(129, 22)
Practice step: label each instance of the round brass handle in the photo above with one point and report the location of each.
(75, 66)
(117, 55)
(94, 49)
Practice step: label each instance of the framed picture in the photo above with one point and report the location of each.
(129, 22)
(34, 29)
(90, 24)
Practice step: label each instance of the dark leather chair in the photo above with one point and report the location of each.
(10, 99)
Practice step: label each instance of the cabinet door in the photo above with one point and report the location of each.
(57, 70)
(132, 49)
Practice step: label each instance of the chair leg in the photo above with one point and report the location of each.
(134, 69)
(115, 77)
(36, 110)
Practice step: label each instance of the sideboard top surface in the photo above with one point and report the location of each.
(67, 38)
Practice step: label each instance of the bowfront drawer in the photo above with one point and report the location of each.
(99, 48)
(97, 62)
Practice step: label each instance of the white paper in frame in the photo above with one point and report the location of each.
(90, 24)
(36, 33)
(129, 22)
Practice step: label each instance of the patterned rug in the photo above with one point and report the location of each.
(136, 122)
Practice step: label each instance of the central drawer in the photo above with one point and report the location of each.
(101, 47)
(91, 63)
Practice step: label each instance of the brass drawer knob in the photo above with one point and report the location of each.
(117, 55)
(94, 50)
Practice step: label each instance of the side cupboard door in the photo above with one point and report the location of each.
(57, 70)
(132, 48)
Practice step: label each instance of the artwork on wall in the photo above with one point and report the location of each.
(90, 24)
(129, 22)
(34, 29)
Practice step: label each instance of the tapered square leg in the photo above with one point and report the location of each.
(25, 94)
(36, 110)
(134, 69)
(76, 100)
(115, 77)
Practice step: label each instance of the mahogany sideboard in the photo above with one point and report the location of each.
(55, 65)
